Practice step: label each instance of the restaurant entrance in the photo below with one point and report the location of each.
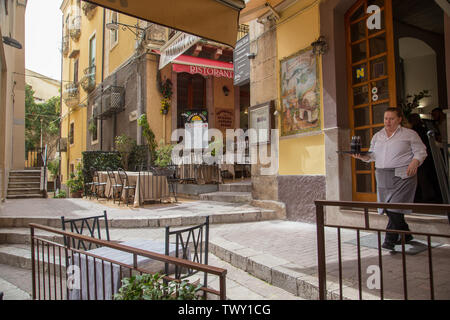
(393, 50)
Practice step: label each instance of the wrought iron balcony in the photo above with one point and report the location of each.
(112, 102)
(71, 95)
(89, 9)
(243, 30)
(65, 45)
(75, 28)
(88, 81)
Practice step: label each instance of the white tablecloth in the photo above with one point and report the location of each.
(112, 285)
(148, 187)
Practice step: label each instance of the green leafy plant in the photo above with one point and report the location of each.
(75, 182)
(53, 168)
(411, 102)
(125, 146)
(100, 160)
(165, 88)
(60, 195)
(152, 287)
(92, 126)
(148, 134)
(163, 154)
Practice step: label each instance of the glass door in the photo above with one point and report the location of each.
(371, 81)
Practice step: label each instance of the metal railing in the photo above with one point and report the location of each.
(71, 94)
(34, 158)
(427, 209)
(52, 275)
(88, 81)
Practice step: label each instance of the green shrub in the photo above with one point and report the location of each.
(152, 287)
(60, 195)
(125, 145)
(164, 154)
(75, 182)
(100, 160)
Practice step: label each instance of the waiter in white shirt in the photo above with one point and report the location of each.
(397, 152)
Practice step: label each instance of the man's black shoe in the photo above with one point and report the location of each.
(408, 238)
(388, 245)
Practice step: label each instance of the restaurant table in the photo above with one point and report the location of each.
(148, 186)
(199, 173)
(110, 282)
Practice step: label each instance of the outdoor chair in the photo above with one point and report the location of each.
(84, 226)
(114, 186)
(191, 244)
(170, 172)
(125, 182)
(98, 185)
(89, 186)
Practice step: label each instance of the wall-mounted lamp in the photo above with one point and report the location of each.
(114, 26)
(320, 46)
(226, 91)
(12, 42)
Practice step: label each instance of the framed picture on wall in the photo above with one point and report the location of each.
(300, 93)
(261, 119)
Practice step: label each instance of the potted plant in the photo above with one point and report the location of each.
(152, 287)
(164, 159)
(125, 146)
(165, 88)
(75, 183)
(412, 102)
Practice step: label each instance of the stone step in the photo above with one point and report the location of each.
(233, 197)
(253, 215)
(26, 173)
(24, 185)
(12, 292)
(25, 196)
(236, 187)
(25, 179)
(273, 270)
(240, 285)
(23, 191)
(22, 236)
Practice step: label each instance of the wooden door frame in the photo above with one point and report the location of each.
(391, 76)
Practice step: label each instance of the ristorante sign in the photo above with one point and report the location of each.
(205, 71)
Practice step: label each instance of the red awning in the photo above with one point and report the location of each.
(203, 66)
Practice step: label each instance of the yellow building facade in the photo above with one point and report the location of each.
(91, 52)
(12, 90)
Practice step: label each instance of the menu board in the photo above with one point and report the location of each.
(242, 62)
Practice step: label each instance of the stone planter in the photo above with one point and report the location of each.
(76, 195)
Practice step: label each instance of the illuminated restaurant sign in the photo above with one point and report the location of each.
(205, 71)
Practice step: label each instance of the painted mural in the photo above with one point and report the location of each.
(300, 93)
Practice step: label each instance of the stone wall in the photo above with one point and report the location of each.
(263, 88)
(299, 194)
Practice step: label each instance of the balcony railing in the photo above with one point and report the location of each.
(71, 95)
(65, 45)
(75, 28)
(89, 10)
(88, 81)
(243, 30)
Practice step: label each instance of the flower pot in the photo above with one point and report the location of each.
(76, 194)
(165, 111)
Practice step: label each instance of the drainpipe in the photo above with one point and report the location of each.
(103, 75)
(60, 107)
(139, 103)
